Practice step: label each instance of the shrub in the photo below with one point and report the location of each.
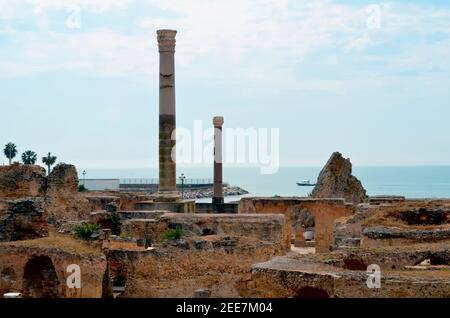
(85, 231)
(173, 234)
(82, 188)
(115, 224)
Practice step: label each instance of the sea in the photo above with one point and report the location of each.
(408, 181)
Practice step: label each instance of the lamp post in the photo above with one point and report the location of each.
(182, 178)
(84, 177)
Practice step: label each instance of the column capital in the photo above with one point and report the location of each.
(218, 121)
(166, 40)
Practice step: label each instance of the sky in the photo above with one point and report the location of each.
(368, 79)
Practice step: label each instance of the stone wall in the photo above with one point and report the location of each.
(395, 223)
(126, 201)
(18, 181)
(169, 271)
(268, 283)
(272, 228)
(325, 212)
(291, 277)
(216, 208)
(381, 236)
(42, 272)
(22, 219)
(64, 202)
(28, 199)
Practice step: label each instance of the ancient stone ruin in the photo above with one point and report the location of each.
(336, 181)
(130, 244)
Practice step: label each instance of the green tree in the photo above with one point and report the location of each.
(10, 151)
(29, 157)
(49, 161)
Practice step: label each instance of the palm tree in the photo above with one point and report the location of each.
(29, 157)
(49, 161)
(10, 151)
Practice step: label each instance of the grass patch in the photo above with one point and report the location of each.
(173, 234)
(85, 231)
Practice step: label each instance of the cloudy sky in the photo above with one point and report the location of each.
(370, 79)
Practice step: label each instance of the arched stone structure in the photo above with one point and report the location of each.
(324, 211)
(40, 279)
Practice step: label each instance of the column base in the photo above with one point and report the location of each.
(167, 196)
(216, 200)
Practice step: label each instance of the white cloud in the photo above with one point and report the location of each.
(98, 53)
(225, 39)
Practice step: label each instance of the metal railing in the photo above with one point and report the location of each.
(155, 181)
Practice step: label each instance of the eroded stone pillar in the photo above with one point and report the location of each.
(167, 123)
(218, 175)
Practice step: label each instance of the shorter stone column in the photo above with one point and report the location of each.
(218, 176)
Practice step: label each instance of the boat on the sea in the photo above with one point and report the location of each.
(306, 183)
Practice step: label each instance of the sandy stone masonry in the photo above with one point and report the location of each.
(18, 181)
(324, 211)
(269, 227)
(38, 268)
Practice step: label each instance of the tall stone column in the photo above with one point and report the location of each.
(167, 124)
(218, 174)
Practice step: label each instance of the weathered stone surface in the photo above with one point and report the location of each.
(381, 232)
(348, 231)
(18, 181)
(182, 243)
(272, 228)
(64, 202)
(345, 275)
(324, 211)
(202, 293)
(170, 271)
(22, 219)
(336, 181)
(38, 268)
(141, 228)
(63, 176)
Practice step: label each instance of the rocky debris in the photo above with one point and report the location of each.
(182, 243)
(424, 216)
(208, 192)
(18, 181)
(336, 181)
(383, 199)
(227, 242)
(267, 227)
(382, 232)
(347, 232)
(305, 218)
(202, 293)
(22, 219)
(200, 244)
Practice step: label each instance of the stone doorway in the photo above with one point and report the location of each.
(302, 227)
(40, 279)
